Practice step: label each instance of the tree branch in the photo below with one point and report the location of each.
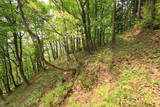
(40, 45)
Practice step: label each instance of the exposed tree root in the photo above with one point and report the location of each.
(69, 92)
(75, 74)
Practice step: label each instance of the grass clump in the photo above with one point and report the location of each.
(56, 95)
(127, 91)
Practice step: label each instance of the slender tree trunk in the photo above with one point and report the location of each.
(52, 49)
(95, 26)
(21, 62)
(1, 95)
(135, 7)
(153, 9)
(10, 72)
(139, 9)
(33, 64)
(7, 85)
(65, 33)
(6, 78)
(49, 56)
(18, 52)
(86, 25)
(10, 66)
(89, 26)
(57, 49)
(66, 47)
(18, 76)
(114, 23)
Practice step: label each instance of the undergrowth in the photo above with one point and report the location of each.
(137, 62)
(54, 96)
(133, 63)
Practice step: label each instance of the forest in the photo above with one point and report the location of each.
(79, 53)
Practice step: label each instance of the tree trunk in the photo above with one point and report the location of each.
(153, 9)
(21, 62)
(66, 47)
(139, 9)
(10, 71)
(86, 25)
(95, 26)
(1, 95)
(33, 64)
(6, 78)
(52, 49)
(114, 23)
(18, 52)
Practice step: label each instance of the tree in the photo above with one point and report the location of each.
(153, 8)
(114, 23)
(36, 37)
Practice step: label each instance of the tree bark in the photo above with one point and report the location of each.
(85, 15)
(10, 68)
(18, 51)
(114, 23)
(1, 95)
(139, 9)
(95, 26)
(5, 68)
(52, 49)
(153, 9)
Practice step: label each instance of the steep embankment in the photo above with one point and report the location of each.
(124, 75)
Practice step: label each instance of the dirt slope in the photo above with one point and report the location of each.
(124, 75)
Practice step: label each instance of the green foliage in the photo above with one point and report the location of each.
(91, 21)
(75, 105)
(123, 94)
(88, 78)
(158, 9)
(56, 95)
(147, 20)
(158, 63)
(33, 94)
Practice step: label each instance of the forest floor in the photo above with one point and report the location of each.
(126, 74)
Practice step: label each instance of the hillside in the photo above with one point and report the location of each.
(125, 74)
(79, 53)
